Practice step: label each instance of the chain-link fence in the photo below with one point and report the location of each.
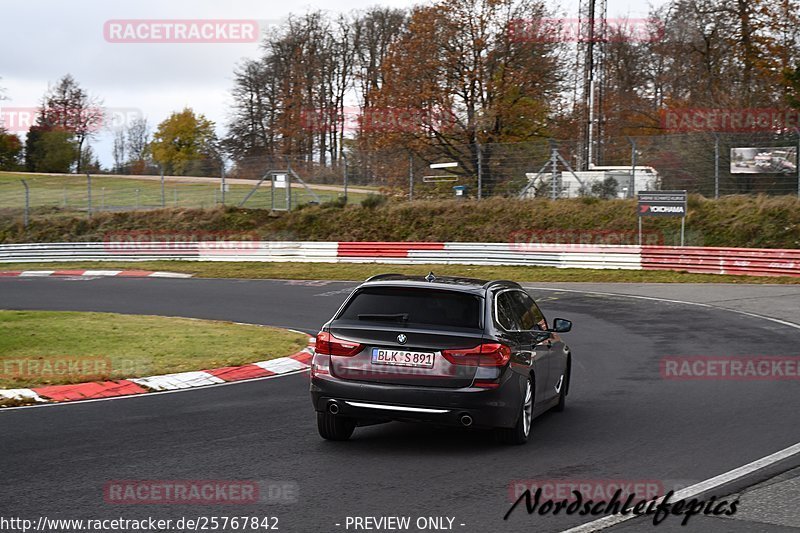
(32, 195)
(702, 163)
(710, 164)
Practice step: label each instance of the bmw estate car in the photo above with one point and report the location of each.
(451, 351)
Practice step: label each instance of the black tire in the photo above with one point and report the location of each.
(521, 431)
(562, 395)
(332, 427)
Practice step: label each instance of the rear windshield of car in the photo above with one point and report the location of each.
(420, 307)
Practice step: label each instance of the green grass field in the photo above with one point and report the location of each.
(361, 271)
(70, 194)
(112, 346)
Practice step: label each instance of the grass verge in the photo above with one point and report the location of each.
(51, 348)
(69, 193)
(360, 271)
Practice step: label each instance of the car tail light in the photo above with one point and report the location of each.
(486, 354)
(327, 344)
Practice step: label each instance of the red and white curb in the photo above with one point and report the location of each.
(167, 382)
(98, 273)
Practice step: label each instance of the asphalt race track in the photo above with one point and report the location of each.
(623, 421)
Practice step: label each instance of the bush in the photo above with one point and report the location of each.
(740, 221)
(373, 201)
(338, 203)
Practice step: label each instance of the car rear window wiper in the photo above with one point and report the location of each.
(396, 317)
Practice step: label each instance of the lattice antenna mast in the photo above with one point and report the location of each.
(592, 39)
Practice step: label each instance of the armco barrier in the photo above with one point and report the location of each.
(743, 261)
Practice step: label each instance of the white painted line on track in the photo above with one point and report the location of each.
(668, 300)
(596, 525)
(689, 492)
(698, 304)
(694, 490)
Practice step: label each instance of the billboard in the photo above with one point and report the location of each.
(662, 204)
(760, 160)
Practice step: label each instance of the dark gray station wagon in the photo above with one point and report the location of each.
(452, 351)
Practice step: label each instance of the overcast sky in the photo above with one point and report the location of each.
(44, 39)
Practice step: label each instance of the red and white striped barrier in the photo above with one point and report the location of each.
(182, 380)
(741, 261)
(93, 273)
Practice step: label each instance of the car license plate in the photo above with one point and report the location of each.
(382, 356)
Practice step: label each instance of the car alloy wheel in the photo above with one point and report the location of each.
(527, 409)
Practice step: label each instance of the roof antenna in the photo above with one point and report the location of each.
(430, 277)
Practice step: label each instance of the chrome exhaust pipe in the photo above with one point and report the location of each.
(333, 407)
(466, 420)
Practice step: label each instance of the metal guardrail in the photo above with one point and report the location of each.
(709, 260)
(744, 261)
(169, 251)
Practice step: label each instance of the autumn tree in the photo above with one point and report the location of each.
(474, 82)
(137, 145)
(376, 30)
(252, 128)
(118, 151)
(49, 150)
(10, 151)
(292, 100)
(184, 144)
(67, 108)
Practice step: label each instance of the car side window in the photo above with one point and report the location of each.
(531, 317)
(506, 314)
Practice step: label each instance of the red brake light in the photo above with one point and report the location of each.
(487, 354)
(327, 344)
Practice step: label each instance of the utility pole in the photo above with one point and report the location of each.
(716, 166)
(26, 216)
(89, 194)
(410, 177)
(554, 172)
(480, 171)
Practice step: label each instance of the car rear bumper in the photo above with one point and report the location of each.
(370, 401)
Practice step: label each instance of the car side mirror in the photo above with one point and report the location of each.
(561, 325)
